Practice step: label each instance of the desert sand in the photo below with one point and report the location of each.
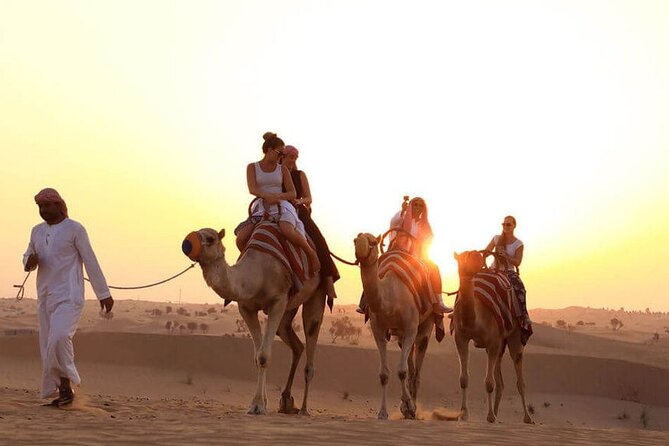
(146, 384)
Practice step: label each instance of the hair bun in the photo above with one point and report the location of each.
(268, 135)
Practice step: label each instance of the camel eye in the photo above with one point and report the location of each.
(209, 240)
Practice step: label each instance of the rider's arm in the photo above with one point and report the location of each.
(288, 185)
(491, 245)
(251, 181)
(517, 257)
(306, 190)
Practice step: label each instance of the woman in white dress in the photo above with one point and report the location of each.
(266, 180)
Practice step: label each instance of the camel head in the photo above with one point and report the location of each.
(204, 246)
(366, 248)
(469, 262)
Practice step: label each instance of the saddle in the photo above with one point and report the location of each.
(414, 273)
(267, 238)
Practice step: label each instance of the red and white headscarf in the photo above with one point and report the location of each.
(49, 195)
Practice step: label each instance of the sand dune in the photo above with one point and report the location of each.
(142, 385)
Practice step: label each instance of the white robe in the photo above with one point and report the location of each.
(62, 249)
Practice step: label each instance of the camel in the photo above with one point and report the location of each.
(393, 310)
(258, 281)
(474, 320)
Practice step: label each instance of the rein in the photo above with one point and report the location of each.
(192, 265)
(22, 288)
(356, 263)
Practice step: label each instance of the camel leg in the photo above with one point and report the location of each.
(312, 317)
(264, 351)
(259, 403)
(499, 382)
(493, 358)
(288, 335)
(462, 344)
(408, 406)
(422, 341)
(384, 372)
(412, 372)
(516, 351)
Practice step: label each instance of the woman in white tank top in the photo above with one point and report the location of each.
(511, 250)
(266, 180)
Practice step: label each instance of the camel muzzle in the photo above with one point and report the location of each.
(192, 246)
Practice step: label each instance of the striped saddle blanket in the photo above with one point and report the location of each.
(267, 238)
(412, 272)
(495, 291)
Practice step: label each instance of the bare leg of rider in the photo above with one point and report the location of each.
(296, 238)
(435, 278)
(243, 236)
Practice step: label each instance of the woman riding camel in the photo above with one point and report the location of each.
(414, 235)
(267, 180)
(416, 224)
(302, 202)
(509, 251)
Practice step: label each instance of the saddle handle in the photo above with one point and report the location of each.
(395, 229)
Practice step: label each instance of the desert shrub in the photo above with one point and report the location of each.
(561, 323)
(211, 310)
(183, 312)
(204, 328)
(241, 326)
(168, 326)
(156, 312)
(168, 309)
(656, 337)
(192, 326)
(344, 328)
(580, 323)
(616, 324)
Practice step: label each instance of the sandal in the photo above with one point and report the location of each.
(65, 397)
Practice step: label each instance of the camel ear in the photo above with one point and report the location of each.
(221, 234)
(455, 255)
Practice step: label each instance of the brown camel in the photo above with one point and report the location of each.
(474, 320)
(393, 311)
(260, 282)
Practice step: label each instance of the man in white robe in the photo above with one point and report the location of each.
(58, 248)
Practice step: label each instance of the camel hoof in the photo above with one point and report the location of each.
(491, 418)
(528, 420)
(383, 414)
(287, 405)
(257, 410)
(408, 409)
(304, 412)
(464, 415)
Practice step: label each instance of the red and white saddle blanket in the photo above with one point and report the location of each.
(495, 291)
(267, 237)
(413, 273)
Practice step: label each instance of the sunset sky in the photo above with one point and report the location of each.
(144, 115)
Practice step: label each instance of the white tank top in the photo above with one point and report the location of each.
(269, 182)
(510, 249)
